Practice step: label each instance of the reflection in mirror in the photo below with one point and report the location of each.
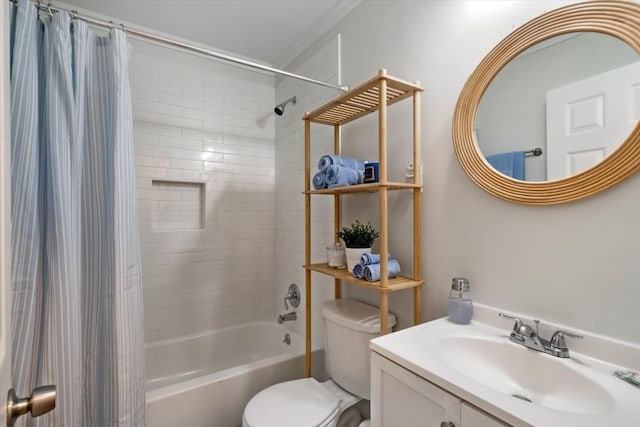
(569, 96)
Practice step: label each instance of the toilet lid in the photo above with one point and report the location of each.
(297, 403)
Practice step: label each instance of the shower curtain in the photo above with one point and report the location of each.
(77, 305)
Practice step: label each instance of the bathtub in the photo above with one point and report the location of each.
(207, 379)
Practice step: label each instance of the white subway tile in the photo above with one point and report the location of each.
(149, 172)
(156, 107)
(186, 164)
(180, 142)
(202, 155)
(158, 151)
(179, 121)
(156, 162)
(192, 175)
(174, 174)
(248, 160)
(183, 101)
(156, 129)
(140, 137)
(194, 114)
(195, 91)
(144, 116)
(138, 92)
(161, 87)
(207, 114)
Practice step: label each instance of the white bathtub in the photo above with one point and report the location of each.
(206, 380)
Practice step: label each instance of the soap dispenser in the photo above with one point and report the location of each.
(460, 308)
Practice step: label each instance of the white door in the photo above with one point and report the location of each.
(42, 399)
(588, 119)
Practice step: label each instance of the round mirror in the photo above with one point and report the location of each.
(563, 103)
(551, 114)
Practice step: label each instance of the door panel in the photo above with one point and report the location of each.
(401, 398)
(474, 417)
(588, 119)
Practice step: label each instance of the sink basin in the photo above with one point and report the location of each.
(525, 374)
(520, 386)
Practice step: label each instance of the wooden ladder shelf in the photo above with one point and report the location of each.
(374, 95)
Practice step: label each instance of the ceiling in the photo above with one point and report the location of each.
(269, 31)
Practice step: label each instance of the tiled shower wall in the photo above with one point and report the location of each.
(205, 151)
(290, 220)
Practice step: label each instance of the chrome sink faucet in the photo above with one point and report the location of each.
(525, 335)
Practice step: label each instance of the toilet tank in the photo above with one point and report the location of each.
(349, 326)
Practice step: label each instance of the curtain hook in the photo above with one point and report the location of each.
(123, 28)
(49, 10)
(74, 15)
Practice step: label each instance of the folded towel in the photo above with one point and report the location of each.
(358, 271)
(372, 271)
(367, 259)
(337, 176)
(319, 180)
(335, 160)
(510, 164)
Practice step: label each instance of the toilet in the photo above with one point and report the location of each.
(349, 325)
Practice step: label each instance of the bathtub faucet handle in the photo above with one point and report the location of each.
(287, 339)
(293, 296)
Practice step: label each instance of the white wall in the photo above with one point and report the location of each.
(573, 264)
(207, 248)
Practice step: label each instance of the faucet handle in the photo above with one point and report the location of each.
(293, 296)
(557, 339)
(517, 326)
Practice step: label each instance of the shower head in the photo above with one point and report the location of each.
(280, 107)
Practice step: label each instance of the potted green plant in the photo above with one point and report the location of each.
(358, 239)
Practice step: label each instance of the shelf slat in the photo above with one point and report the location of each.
(366, 188)
(361, 100)
(395, 284)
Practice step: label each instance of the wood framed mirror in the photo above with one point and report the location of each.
(615, 19)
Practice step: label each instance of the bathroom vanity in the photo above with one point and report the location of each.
(442, 374)
(403, 398)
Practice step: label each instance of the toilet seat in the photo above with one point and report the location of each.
(298, 403)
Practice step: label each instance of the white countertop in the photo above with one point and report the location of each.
(425, 350)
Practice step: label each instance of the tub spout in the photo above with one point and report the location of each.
(286, 317)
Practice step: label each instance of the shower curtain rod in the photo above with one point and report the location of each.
(185, 46)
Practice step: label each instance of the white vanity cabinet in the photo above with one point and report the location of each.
(401, 398)
(473, 417)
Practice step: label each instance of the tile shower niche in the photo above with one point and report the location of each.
(177, 205)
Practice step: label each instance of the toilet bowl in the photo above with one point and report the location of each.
(301, 403)
(306, 402)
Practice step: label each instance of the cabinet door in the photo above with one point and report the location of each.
(401, 398)
(473, 417)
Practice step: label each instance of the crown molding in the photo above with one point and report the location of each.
(339, 10)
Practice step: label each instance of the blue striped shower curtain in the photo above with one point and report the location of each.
(77, 305)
